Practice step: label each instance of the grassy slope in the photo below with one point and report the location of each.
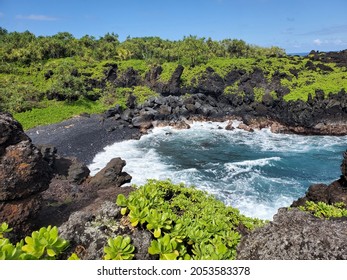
(24, 88)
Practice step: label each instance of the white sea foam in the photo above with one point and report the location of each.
(240, 182)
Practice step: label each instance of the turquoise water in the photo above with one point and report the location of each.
(255, 172)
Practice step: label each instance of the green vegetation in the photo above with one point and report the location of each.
(44, 244)
(323, 210)
(57, 111)
(119, 248)
(36, 73)
(186, 223)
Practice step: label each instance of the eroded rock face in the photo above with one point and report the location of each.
(296, 235)
(24, 174)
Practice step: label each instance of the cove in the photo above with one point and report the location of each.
(255, 172)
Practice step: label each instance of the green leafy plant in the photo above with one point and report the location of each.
(8, 251)
(42, 244)
(3, 229)
(323, 210)
(119, 248)
(45, 243)
(165, 247)
(156, 221)
(186, 223)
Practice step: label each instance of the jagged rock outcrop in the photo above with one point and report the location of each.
(296, 235)
(111, 175)
(24, 174)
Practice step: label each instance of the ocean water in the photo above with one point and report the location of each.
(256, 172)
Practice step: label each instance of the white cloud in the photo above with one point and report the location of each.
(37, 17)
(2, 14)
(317, 42)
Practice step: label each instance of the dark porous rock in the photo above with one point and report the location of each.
(49, 153)
(20, 214)
(296, 235)
(78, 172)
(23, 171)
(11, 132)
(24, 174)
(111, 175)
(335, 192)
(89, 229)
(128, 79)
(173, 86)
(117, 110)
(210, 83)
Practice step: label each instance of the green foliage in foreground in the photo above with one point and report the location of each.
(119, 248)
(186, 223)
(44, 244)
(323, 210)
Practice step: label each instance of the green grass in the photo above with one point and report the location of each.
(57, 111)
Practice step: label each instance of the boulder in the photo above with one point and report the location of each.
(111, 175)
(296, 235)
(89, 229)
(24, 174)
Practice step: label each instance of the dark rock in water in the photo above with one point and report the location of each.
(296, 235)
(111, 175)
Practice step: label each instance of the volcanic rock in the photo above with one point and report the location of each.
(111, 175)
(296, 235)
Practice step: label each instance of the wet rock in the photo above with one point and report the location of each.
(229, 126)
(245, 127)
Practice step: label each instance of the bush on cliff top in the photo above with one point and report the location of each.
(186, 223)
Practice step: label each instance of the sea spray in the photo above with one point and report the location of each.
(256, 172)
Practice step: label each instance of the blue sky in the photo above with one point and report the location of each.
(295, 25)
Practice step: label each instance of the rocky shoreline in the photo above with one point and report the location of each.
(86, 135)
(58, 190)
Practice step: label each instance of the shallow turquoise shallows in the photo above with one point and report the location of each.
(256, 172)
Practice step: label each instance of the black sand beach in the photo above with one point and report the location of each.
(83, 136)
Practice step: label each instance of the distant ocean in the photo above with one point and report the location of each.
(299, 54)
(255, 172)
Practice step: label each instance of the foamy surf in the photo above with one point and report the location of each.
(256, 172)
